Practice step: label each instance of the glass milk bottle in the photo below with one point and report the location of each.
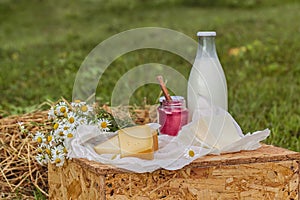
(207, 77)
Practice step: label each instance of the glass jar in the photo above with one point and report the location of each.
(172, 115)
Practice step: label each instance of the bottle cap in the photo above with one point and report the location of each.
(206, 33)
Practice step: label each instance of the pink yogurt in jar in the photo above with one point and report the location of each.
(172, 115)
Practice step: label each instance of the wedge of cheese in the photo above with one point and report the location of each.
(138, 141)
(111, 146)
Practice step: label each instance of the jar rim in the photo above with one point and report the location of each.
(174, 98)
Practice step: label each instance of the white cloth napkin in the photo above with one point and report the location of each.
(212, 131)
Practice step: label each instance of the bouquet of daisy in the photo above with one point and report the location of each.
(65, 118)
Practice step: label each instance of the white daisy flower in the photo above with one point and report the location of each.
(47, 150)
(72, 119)
(82, 121)
(56, 125)
(59, 134)
(39, 137)
(68, 138)
(63, 124)
(58, 159)
(189, 153)
(42, 159)
(21, 124)
(51, 113)
(65, 151)
(67, 144)
(61, 109)
(42, 146)
(77, 104)
(22, 127)
(85, 109)
(40, 149)
(57, 150)
(50, 138)
(104, 124)
(69, 135)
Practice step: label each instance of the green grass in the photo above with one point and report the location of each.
(38, 195)
(44, 42)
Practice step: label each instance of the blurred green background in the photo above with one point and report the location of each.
(43, 43)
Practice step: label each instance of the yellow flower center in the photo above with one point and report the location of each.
(63, 109)
(48, 151)
(61, 133)
(49, 138)
(55, 126)
(39, 140)
(66, 128)
(65, 150)
(71, 120)
(77, 101)
(84, 108)
(65, 114)
(57, 160)
(70, 135)
(40, 150)
(191, 153)
(103, 125)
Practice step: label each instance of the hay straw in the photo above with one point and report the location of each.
(20, 174)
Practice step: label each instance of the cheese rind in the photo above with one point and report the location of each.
(155, 140)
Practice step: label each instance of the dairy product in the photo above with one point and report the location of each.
(207, 80)
(137, 142)
(110, 146)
